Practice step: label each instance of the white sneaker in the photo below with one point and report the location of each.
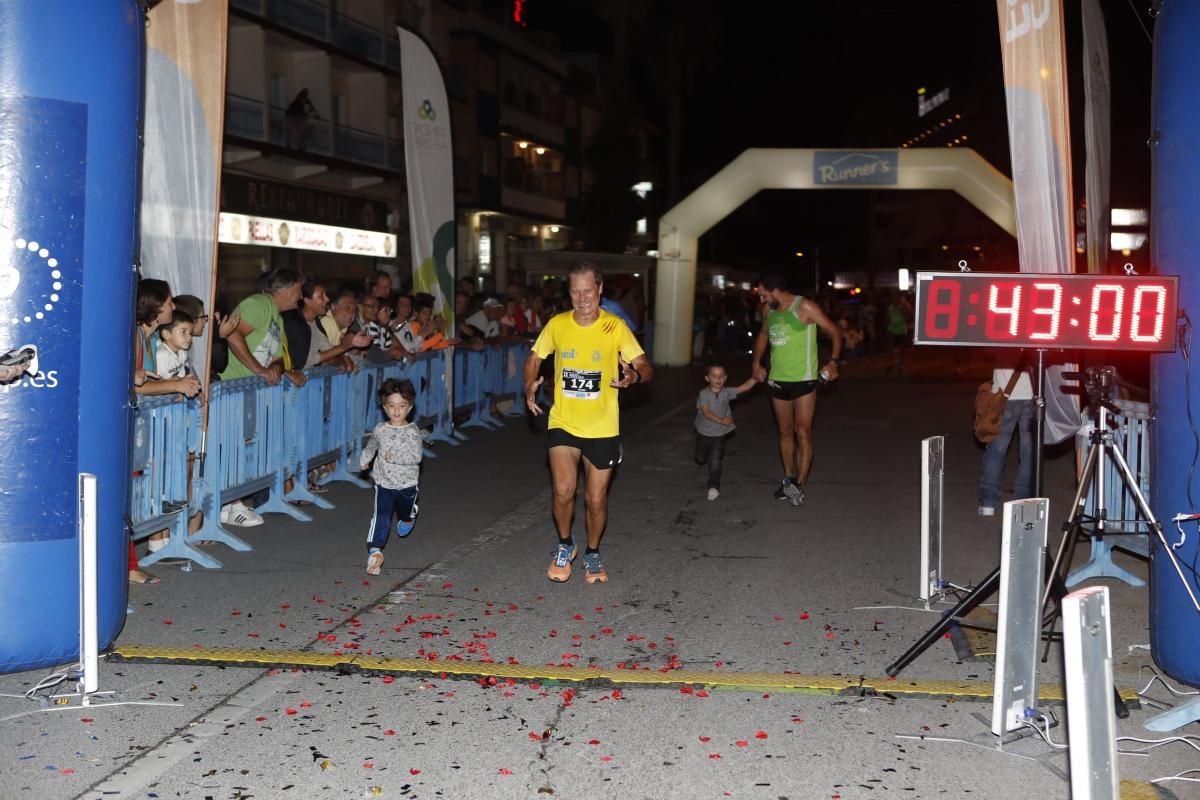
(713, 494)
(238, 513)
(987, 511)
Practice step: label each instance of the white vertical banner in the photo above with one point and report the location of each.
(181, 158)
(1097, 134)
(1035, 82)
(429, 161)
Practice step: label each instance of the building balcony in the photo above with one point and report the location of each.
(304, 134)
(358, 38)
(245, 117)
(542, 130)
(554, 208)
(304, 16)
(361, 146)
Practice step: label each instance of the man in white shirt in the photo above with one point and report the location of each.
(487, 320)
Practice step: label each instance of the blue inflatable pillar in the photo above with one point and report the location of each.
(1175, 243)
(70, 105)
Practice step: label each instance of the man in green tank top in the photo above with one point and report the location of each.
(789, 329)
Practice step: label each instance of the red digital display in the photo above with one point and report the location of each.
(1026, 309)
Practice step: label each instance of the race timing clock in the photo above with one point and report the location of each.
(1043, 310)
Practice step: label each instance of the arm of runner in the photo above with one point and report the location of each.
(639, 370)
(815, 315)
(760, 349)
(533, 366)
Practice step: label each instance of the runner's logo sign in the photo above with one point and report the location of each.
(854, 167)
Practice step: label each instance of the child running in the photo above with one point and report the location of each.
(714, 423)
(396, 447)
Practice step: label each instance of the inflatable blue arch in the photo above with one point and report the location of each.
(70, 106)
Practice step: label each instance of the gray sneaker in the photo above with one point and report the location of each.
(794, 491)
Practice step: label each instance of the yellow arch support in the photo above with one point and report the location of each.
(960, 170)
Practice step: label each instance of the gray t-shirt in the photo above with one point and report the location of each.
(718, 404)
(397, 453)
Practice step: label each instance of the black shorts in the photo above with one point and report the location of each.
(790, 390)
(601, 453)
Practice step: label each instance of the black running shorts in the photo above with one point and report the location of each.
(790, 390)
(601, 453)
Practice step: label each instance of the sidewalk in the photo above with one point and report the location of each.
(745, 584)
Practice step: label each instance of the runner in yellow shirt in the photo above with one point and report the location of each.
(595, 355)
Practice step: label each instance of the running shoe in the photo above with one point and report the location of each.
(405, 528)
(795, 492)
(560, 567)
(374, 562)
(593, 568)
(781, 493)
(713, 494)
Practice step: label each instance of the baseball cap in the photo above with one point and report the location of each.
(491, 302)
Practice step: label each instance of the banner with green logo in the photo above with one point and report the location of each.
(429, 161)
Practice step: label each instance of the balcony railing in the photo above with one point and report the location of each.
(245, 117)
(304, 16)
(357, 38)
(303, 134)
(362, 146)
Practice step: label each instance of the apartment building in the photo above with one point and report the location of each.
(337, 168)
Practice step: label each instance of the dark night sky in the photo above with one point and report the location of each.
(844, 73)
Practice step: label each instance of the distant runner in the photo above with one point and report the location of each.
(595, 355)
(790, 329)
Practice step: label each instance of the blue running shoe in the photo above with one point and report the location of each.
(593, 568)
(560, 567)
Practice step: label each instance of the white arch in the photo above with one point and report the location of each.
(960, 170)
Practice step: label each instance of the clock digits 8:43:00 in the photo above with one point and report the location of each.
(1109, 312)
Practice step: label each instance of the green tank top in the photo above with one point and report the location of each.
(793, 346)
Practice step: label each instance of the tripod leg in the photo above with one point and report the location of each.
(1071, 527)
(973, 598)
(1154, 523)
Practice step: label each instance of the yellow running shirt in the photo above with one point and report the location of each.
(585, 363)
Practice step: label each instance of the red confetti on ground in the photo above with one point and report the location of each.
(388, 679)
(414, 771)
(168, 622)
(539, 597)
(260, 719)
(686, 690)
(537, 737)
(306, 704)
(742, 743)
(804, 615)
(765, 696)
(286, 605)
(787, 644)
(505, 771)
(797, 720)
(831, 635)
(235, 613)
(291, 711)
(760, 735)
(578, 616)
(282, 625)
(252, 635)
(606, 759)
(389, 732)
(706, 738)
(368, 765)
(447, 585)
(594, 741)
(66, 771)
(701, 693)
(714, 755)
(87, 719)
(616, 695)
(778, 618)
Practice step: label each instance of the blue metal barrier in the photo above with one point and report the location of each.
(1125, 526)
(261, 436)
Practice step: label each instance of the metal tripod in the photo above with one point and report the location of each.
(1102, 446)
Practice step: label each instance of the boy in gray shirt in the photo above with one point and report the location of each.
(395, 444)
(714, 422)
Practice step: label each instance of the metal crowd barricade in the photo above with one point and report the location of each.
(259, 436)
(163, 429)
(1124, 527)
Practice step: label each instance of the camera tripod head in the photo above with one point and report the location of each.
(1097, 384)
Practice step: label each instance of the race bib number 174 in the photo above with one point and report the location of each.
(581, 384)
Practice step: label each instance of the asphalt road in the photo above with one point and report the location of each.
(742, 584)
